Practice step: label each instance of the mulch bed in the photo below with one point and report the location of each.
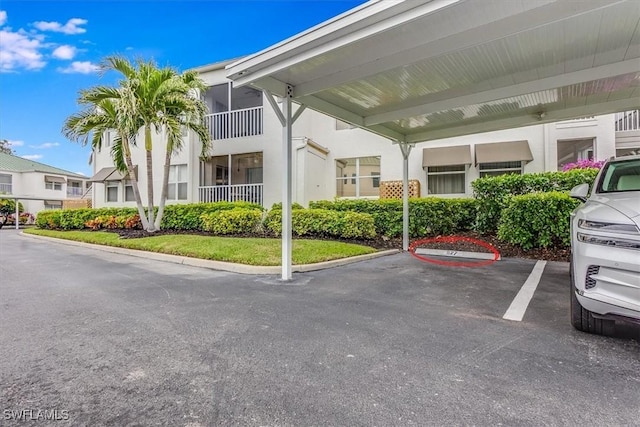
(506, 250)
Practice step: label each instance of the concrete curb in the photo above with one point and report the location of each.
(217, 265)
(456, 254)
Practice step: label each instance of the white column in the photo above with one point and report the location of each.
(406, 149)
(286, 185)
(16, 219)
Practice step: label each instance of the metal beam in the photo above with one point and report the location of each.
(274, 106)
(348, 116)
(526, 120)
(299, 111)
(434, 103)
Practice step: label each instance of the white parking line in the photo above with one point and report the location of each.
(520, 303)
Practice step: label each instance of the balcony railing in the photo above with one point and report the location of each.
(74, 192)
(628, 121)
(252, 193)
(235, 124)
(5, 188)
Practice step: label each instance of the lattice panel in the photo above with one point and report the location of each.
(76, 203)
(393, 189)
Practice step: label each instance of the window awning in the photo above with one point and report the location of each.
(510, 151)
(102, 174)
(116, 175)
(51, 178)
(446, 156)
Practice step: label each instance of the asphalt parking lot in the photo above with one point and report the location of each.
(105, 339)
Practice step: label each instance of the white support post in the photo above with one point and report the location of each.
(286, 118)
(406, 150)
(16, 218)
(286, 185)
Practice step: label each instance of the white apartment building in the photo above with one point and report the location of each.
(333, 159)
(41, 186)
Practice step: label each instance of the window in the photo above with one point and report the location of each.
(364, 177)
(52, 182)
(177, 182)
(52, 204)
(573, 151)
(5, 183)
(128, 192)
(235, 169)
(111, 190)
(500, 168)
(53, 185)
(446, 179)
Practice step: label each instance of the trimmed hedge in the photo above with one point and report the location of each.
(323, 223)
(189, 216)
(537, 220)
(176, 217)
(75, 219)
(232, 221)
(427, 216)
(493, 193)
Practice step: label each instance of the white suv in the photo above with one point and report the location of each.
(605, 249)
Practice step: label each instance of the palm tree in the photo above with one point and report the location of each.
(162, 100)
(150, 98)
(103, 112)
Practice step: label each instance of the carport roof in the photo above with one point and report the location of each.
(418, 70)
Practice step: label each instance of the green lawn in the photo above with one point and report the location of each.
(251, 251)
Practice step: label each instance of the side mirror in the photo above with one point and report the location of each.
(580, 192)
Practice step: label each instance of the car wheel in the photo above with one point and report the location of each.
(582, 319)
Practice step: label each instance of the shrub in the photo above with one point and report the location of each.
(189, 217)
(583, 164)
(49, 219)
(294, 205)
(76, 219)
(537, 220)
(493, 193)
(427, 216)
(324, 223)
(232, 221)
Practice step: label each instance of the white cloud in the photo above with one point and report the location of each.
(82, 67)
(64, 52)
(46, 145)
(71, 27)
(32, 156)
(19, 50)
(16, 143)
(3, 17)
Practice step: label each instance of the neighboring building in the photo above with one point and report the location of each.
(334, 159)
(48, 186)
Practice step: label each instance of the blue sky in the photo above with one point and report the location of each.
(50, 49)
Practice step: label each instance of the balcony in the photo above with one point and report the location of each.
(235, 123)
(252, 193)
(74, 192)
(628, 121)
(5, 188)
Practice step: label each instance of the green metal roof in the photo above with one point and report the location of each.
(11, 163)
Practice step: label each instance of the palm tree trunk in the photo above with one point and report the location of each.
(148, 147)
(134, 183)
(165, 187)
